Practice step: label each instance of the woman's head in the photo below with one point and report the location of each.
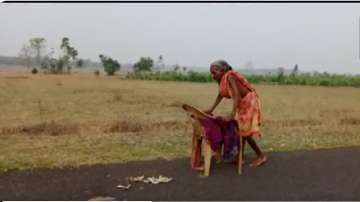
(219, 68)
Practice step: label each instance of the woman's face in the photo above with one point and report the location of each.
(216, 73)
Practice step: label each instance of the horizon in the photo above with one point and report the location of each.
(205, 69)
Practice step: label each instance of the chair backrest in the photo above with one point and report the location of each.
(195, 115)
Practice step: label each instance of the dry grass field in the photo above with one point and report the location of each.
(71, 120)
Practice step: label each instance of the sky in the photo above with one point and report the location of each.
(317, 37)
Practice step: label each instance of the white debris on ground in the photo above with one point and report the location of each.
(148, 180)
(120, 186)
(158, 180)
(137, 179)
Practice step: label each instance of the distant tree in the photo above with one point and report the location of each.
(80, 63)
(53, 66)
(159, 65)
(69, 54)
(110, 65)
(47, 60)
(145, 64)
(60, 66)
(176, 68)
(34, 71)
(295, 70)
(38, 45)
(26, 55)
(281, 75)
(160, 58)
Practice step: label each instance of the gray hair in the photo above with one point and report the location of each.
(221, 65)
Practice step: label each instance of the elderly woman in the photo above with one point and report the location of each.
(246, 105)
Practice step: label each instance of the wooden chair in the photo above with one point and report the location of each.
(201, 145)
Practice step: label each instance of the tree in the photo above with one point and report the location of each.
(295, 70)
(47, 60)
(38, 45)
(110, 65)
(34, 71)
(26, 55)
(69, 54)
(176, 68)
(160, 59)
(145, 64)
(281, 75)
(80, 63)
(59, 66)
(159, 63)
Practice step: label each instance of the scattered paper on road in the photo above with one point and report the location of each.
(137, 179)
(157, 180)
(123, 187)
(148, 180)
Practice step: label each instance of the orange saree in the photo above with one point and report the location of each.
(248, 114)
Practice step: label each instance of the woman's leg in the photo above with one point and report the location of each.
(261, 158)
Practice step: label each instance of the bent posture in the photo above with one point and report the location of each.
(246, 105)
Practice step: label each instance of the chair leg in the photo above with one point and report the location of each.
(196, 153)
(218, 156)
(240, 156)
(207, 157)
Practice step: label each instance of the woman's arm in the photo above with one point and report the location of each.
(235, 95)
(217, 101)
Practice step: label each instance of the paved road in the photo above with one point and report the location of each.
(316, 175)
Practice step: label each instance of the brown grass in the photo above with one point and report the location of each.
(54, 129)
(47, 128)
(54, 120)
(350, 121)
(292, 123)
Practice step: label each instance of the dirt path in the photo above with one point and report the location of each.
(316, 175)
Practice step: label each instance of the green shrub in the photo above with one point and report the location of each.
(34, 71)
(316, 79)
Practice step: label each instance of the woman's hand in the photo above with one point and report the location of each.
(217, 101)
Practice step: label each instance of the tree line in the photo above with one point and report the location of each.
(278, 78)
(33, 55)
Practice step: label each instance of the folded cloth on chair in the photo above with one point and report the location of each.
(218, 132)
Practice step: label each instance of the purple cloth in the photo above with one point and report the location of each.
(218, 132)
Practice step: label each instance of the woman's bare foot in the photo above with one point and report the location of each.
(260, 160)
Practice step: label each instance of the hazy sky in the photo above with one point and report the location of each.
(322, 37)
